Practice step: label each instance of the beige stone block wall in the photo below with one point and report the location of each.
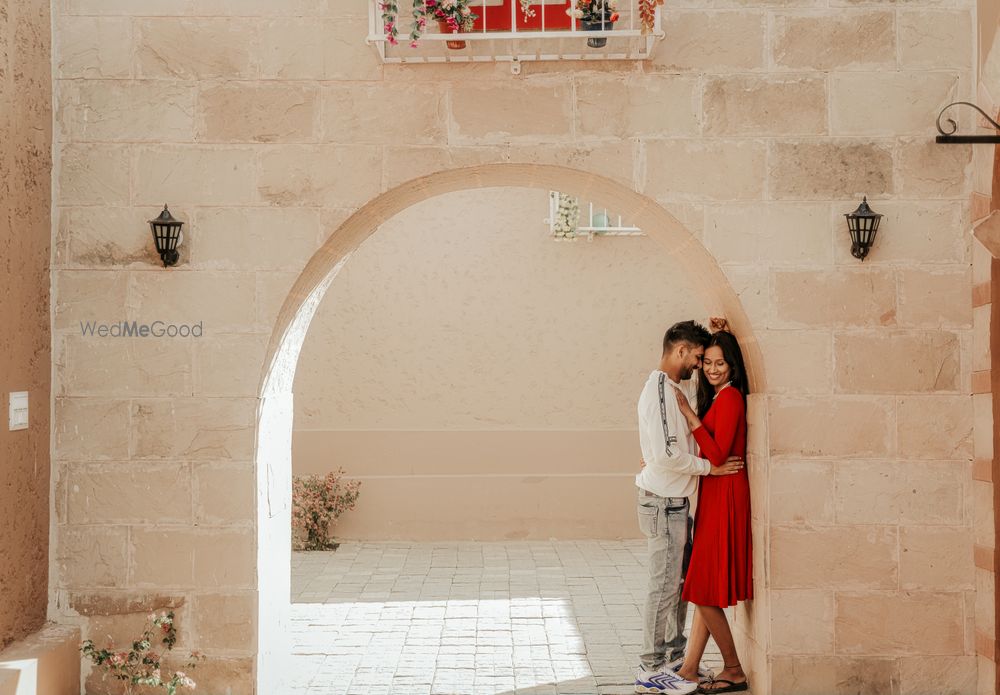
(746, 136)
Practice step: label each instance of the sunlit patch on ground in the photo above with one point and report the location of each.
(544, 618)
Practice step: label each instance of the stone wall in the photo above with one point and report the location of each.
(266, 124)
(25, 201)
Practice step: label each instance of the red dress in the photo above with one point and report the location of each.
(721, 568)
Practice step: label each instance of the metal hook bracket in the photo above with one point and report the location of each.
(949, 136)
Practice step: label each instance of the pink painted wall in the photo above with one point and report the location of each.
(988, 16)
(25, 200)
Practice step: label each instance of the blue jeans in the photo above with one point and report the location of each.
(666, 523)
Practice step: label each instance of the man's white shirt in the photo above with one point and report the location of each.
(671, 469)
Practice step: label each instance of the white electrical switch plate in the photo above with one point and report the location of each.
(18, 410)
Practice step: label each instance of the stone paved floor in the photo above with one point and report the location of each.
(543, 618)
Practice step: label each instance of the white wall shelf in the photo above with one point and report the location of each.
(593, 221)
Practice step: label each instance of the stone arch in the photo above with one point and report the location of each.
(272, 456)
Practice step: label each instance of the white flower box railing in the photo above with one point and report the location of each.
(514, 30)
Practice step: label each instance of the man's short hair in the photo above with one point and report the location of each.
(690, 332)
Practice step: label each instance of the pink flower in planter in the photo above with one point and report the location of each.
(317, 502)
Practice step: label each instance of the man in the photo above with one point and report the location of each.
(666, 482)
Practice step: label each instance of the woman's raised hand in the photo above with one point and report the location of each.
(682, 402)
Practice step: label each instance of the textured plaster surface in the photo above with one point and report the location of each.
(461, 313)
(25, 199)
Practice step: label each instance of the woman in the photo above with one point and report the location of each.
(721, 569)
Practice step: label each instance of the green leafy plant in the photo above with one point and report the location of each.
(317, 502)
(142, 665)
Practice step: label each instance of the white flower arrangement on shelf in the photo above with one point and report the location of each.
(567, 217)
(526, 9)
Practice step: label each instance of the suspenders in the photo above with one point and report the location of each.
(668, 439)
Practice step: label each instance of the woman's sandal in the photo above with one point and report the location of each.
(730, 687)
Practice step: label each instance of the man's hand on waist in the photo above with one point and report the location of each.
(734, 464)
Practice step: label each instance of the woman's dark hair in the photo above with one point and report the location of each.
(733, 356)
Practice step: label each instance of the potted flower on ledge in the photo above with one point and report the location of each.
(453, 17)
(595, 15)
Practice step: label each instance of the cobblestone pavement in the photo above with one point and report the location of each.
(544, 618)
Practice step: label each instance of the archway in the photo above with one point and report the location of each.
(274, 419)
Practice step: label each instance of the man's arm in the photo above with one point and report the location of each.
(664, 427)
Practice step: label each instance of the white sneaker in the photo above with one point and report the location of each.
(704, 674)
(662, 681)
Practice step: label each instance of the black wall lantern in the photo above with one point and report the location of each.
(167, 236)
(863, 226)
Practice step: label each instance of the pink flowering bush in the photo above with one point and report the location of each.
(390, 20)
(457, 15)
(317, 502)
(141, 665)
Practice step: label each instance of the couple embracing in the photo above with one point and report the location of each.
(693, 434)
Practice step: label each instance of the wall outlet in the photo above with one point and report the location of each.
(18, 410)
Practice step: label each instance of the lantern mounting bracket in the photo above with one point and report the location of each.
(948, 137)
